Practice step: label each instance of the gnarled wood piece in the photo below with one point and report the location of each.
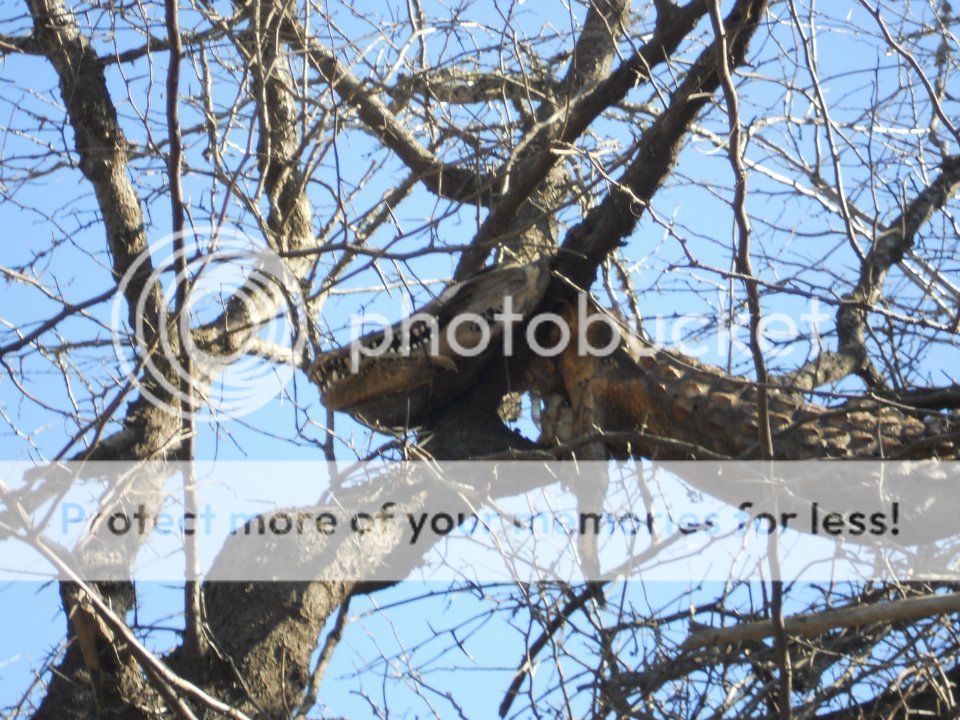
(667, 394)
(395, 377)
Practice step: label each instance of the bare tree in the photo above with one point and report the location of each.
(697, 166)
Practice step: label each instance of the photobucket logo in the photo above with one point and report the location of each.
(470, 334)
(548, 334)
(241, 298)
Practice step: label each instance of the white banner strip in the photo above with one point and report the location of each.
(485, 522)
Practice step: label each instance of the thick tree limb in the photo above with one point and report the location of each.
(532, 232)
(101, 146)
(934, 398)
(571, 121)
(99, 140)
(827, 620)
(25, 44)
(457, 86)
(604, 227)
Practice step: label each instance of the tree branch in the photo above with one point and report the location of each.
(604, 227)
(822, 622)
(569, 123)
(443, 179)
(889, 246)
